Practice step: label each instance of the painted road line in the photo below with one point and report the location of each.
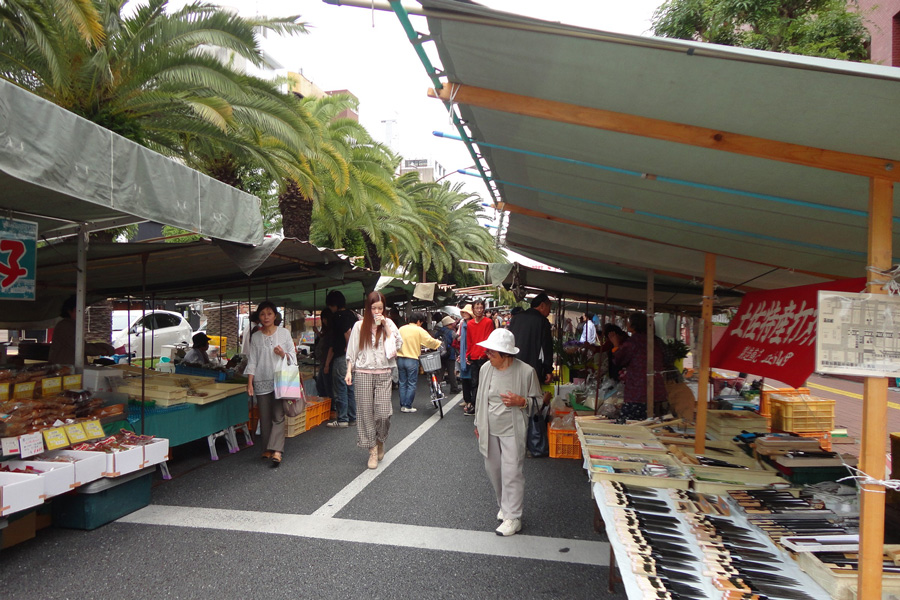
(383, 534)
(825, 388)
(343, 497)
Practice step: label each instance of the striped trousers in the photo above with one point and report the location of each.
(373, 407)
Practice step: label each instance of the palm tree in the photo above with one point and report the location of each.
(153, 77)
(347, 199)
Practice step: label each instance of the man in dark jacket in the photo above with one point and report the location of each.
(534, 337)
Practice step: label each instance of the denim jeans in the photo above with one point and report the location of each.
(344, 400)
(408, 369)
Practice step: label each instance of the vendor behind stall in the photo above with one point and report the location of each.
(197, 355)
(62, 349)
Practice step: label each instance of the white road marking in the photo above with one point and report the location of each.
(322, 524)
(343, 497)
(382, 534)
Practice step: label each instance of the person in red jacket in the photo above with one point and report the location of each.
(478, 330)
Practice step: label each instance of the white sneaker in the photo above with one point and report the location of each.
(499, 515)
(509, 527)
(407, 409)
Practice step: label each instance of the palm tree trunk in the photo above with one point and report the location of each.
(296, 212)
(373, 259)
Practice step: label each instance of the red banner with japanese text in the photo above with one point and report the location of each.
(773, 333)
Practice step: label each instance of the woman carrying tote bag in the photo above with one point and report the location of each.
(268, 347)
(371, 352)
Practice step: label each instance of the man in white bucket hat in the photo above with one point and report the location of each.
(508, 392)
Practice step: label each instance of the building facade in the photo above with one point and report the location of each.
(883, 21)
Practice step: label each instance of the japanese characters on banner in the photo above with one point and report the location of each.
(859, 334)
(773, 333)
(18, 259)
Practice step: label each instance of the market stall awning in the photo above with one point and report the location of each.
(670, 294)
(669, 148)
(287, 271)
(59, 169)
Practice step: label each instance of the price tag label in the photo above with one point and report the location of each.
(30, 444)
(93, 430)
(10, 446)
(23, 390)
(4, 392)
(51, 386)
(76, 433)
(55, 438)
(72, 382)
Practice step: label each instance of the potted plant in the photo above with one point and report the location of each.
(676, 351)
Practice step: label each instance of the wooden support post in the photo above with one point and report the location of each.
(874, 422)
(709, 276)
(651, 367)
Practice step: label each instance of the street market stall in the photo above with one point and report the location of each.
(780, 174)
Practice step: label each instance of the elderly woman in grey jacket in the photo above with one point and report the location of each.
(508, 393)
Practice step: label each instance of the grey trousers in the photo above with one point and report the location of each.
(271, 421)
(505, 463)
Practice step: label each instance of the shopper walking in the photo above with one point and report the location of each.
(478, 330)
(465, 370)
(508, 393)
(371, 352)
(534, 337)
(342, 322)
(414, 337)
(447, 334)
(268, 346)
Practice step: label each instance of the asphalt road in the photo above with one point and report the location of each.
(324, 526)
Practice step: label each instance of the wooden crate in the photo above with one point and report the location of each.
(842, 584)
(216, 391)
(712, 480)
(599, 470)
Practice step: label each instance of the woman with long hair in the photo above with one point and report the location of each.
(371, 353)
(268, 346)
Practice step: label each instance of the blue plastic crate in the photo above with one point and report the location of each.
(184, 370)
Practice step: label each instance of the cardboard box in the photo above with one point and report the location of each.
(18, 530)
(126, 461)
(19, 491)
(156, 452)
(89, 466)
(59, 477)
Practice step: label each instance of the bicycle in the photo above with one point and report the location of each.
(431, 365)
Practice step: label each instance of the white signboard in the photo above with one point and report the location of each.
(858, 334)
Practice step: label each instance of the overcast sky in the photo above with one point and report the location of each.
(367, 52)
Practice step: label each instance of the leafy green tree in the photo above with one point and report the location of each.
(824, 28)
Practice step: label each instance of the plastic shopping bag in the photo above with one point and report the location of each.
(289, 389)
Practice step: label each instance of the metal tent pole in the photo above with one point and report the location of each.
(709, 276)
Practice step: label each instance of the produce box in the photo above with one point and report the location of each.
(19, 491)
(822, 438)
(59, 477)
(155, 452)
(318, 410)
(214, 392)
(120, 463)
(103, 501)
(89, 466)
(802, 413)
(729, 423)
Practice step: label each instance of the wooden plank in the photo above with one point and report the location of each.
(651, 346)
(703, 137)
(874, 425)
(709, 276)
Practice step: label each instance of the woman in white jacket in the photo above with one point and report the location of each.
(371, 353)
(268, 346)
(508, 392)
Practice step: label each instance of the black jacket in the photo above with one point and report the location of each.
(534, 339)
